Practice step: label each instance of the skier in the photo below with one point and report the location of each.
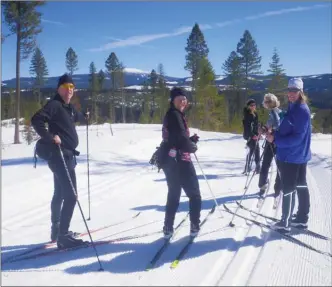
(293, 140)
(178, 167)
(250, 134)
(61, 116)
(272, 104)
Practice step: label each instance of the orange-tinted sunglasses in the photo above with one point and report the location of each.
(67, 86)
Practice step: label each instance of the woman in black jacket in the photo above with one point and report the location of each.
(178, 167)
(250, 134)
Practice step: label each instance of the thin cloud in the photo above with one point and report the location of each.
(53, 22)
(117, 39)
(285, 11)
(141, 39)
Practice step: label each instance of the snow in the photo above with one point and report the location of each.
(122, 183)
(172, 83)
(187, 88)
(135, 87)
(220, 78)
(189, 79)
(135, 71)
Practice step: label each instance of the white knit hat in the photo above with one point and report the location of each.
(296, 83)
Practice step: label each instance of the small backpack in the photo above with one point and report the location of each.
(43, 150)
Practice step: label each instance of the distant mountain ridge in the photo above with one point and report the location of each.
(134, 79)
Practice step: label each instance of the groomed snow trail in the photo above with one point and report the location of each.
(122, 183)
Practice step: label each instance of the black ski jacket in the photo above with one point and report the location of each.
(176, 131)
(61, 118)
(250, 124)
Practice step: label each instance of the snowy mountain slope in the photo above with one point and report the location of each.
(123, 184)
(136, 77)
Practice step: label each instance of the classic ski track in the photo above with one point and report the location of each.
(226, 258)
(180, 239)
(234, 257)
(35, 213)
(305, 256)
(45, 246)
(246, 258)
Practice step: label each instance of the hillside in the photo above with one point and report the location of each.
(135, 78)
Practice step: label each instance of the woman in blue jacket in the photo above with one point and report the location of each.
(293, 139)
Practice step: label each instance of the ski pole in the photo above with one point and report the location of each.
(79, 205)
(87, 159)
(246, 187)
(214, 198)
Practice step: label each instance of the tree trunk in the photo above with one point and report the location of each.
(18, 88)
(124, 106)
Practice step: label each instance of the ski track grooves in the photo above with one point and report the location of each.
(213, 278)
(308, 267)
(33, 214)
(244, 255)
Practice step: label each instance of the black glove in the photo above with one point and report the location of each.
(193, 147)
(194, 138)
(86, 115)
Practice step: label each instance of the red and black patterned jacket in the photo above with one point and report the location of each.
(175, 131)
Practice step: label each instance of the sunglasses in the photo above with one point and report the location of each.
(293, 90)
(67, 86)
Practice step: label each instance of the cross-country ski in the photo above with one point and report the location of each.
(166, 144)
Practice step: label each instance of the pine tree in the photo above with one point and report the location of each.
(22, 19)
(145, 100)
(112, 65)
(101, 79)
(29, 107)
(196, 50)
(162, 96)
(121, 83)
(94, 87)
(279, 80)
(71, 61)
(233, 71)
(210, 105)
(249, 56)
(153, 80)
(38, 69)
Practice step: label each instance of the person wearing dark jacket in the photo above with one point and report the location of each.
(60, 115)
(293, 140)
(250, 134)
(178, 167)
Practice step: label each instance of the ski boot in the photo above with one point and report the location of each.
(168, 232)
(299, 223)
(194, 229)
(68, 241)
(281, 227)
(55, 232)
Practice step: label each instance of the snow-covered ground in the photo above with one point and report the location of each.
(122, 183)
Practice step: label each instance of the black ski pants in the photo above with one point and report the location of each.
(293, 179)
(269, 153)
(181, 174)
(64, 198)
(254, 150)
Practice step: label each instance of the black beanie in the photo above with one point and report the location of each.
(65, 79)
(176, 91)
(250, 101)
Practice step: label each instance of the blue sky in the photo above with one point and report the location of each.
(144, 34)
